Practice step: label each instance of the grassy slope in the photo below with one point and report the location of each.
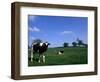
(71, 56)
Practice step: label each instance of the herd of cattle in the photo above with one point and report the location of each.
(41, 48)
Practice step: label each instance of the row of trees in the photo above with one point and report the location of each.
(74, 44)
(65, 44)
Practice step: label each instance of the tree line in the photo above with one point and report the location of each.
(78, 43)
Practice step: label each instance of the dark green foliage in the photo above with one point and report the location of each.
(65, 44)
(85, 45)
(74, 44)
(80, 42)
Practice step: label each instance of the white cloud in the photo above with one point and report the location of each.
(66, 32)
(32, 38)
(32, 18)
(34, 29)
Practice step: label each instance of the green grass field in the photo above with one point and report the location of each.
(71, 55)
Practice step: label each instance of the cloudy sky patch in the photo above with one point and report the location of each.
(34, 29)
(32, 18)
(57, 29)
(66, 32)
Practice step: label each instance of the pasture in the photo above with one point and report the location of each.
(71, 56)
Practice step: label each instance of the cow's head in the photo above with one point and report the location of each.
(44, 43)
(47, 43)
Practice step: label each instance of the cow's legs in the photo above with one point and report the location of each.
(43, 58)
(32, 55)
(39, 58)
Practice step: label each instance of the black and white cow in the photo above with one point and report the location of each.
(39, 48)
(60, 52)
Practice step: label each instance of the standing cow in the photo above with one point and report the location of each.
(39, 48)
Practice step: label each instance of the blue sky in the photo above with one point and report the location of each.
(57, 29)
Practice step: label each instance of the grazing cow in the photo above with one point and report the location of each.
(60, 52)
(39, 48)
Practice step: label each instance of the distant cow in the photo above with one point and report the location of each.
(39, 48)
(60, 52)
